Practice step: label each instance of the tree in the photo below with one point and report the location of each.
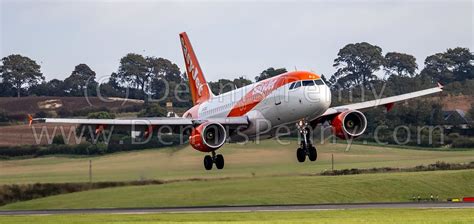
(436, 67)
(54, 87)
(325, 80)
(164, 68)
(453, 65)
(241, 82)
(400, 64)
(356, 64)
(133, 72)
(20, 71)
(222, 86)
(166, 77)
(6, 89)
(462, 63)
(226, 85)
(81, 78)
(270, 72)
(139, 72)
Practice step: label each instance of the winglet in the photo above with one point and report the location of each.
(440, 86)
(30, 119)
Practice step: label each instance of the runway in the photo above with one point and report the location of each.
(275, 208)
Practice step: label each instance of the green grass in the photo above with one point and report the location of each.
(363, 216)
(265, 173)
(393, 187)
(268, 158)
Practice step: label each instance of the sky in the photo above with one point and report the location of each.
(231, 38)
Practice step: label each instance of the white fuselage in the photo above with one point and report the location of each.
(278, 108)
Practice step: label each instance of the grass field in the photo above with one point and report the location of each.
(268, 158)
(254, 174)
(393, 187)
(412, 216)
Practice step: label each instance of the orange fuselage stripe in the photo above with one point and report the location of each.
(265, 88)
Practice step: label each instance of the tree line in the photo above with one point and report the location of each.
(150, 77)
(360, 68)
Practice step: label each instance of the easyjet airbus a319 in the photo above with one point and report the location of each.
(295, 100)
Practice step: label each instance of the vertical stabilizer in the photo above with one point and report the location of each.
(198, 86)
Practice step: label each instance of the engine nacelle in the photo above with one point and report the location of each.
(208, 137)
(349, 124)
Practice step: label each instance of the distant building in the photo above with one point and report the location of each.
(169, 109)
(456, 119)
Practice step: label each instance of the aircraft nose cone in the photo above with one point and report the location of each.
(318, 94)
(318, 98)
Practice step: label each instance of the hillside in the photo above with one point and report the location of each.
(25, 135)
(462, 102)
(34, 104)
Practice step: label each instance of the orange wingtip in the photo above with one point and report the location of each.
(30, 119)
(440, 86)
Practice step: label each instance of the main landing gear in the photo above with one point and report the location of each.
(217, 159)
(306, 147)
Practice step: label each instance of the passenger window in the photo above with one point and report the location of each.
(308, 83)
(319, 82)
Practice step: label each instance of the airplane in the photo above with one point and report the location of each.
(296, 100)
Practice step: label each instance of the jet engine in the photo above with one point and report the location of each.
(208, 137)
(349, 124)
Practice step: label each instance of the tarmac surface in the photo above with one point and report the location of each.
(316, 207)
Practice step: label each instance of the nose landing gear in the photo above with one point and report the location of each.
(217, 159)
(306, 147)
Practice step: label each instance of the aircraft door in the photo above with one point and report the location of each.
(278, 96)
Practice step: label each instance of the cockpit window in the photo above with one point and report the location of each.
(319, 82)
(295, 85)
(292, 85)
(308, 83)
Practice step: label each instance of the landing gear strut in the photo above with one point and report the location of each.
(306, 147)
(217, 159)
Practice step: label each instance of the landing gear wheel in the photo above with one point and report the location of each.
(219, 161)
(300, 155)
(208, 162)
(312, 153)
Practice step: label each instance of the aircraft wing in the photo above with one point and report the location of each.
(143, 123)
(387, 102)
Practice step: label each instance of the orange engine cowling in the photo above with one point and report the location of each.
(208, 137)
(349, 124)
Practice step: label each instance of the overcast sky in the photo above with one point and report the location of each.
(239, 38)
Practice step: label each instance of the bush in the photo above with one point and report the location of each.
(463, 142)
(58, 140)
(63, 112)
(153, 110)
(4, 116)
(15, 192)
(132, 108)
(41, 114)
(432, 167)
(101, 115)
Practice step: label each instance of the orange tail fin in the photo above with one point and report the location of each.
(199, 89)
